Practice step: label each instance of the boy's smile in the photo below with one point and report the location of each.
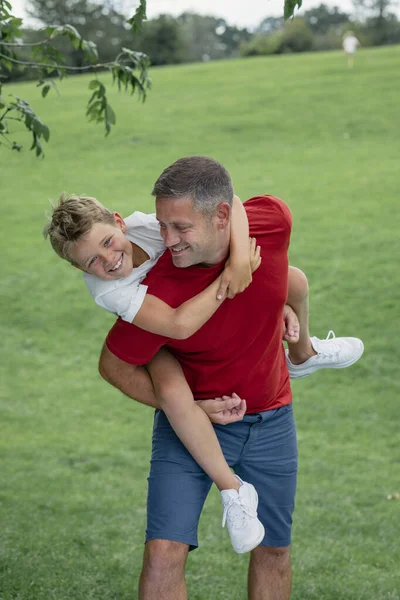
(105, 251)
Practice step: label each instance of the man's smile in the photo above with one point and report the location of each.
(178, 250)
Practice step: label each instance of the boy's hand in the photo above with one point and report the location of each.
(254, 254)
(227, 409)
(237, 275)
(291, 326)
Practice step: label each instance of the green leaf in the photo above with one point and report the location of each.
(90, 50)
(140, 15)
(289, 7)
(45, 90)
(110, 115)
(52, 31)
(7, 64)
(94, 84)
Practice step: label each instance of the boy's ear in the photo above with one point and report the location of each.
(119, 222)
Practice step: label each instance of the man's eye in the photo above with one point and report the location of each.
(162, 226)
(107, 242)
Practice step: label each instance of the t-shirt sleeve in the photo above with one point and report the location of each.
(133, 345)
(270, 221)
(124, 301)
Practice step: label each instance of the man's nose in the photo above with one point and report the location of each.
(171, 237)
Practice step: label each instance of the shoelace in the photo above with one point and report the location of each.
(334, 348)
(239, 514)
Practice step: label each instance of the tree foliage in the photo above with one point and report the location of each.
(66, 45)
(129, 69)
(378, 18)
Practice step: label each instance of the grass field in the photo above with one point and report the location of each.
(74, 452)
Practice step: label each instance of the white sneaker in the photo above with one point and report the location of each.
(240, 513)
(332, 353)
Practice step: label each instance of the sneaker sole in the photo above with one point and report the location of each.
(251, 547)
(341, 366)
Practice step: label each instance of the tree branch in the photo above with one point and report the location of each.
(55, 65)
(25, 44)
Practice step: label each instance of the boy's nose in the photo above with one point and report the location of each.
(108, 260)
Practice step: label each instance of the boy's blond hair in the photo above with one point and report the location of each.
(73, 218)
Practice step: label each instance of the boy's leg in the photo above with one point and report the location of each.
(194, 429)
(188, 420)
(310, 354)
(298, 300)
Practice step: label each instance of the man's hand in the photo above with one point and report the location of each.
(291, 326)
(227, 409)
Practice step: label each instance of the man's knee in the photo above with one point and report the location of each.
(164, 556)
(272, 557)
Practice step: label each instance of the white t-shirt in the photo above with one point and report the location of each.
(125, 296)
(350, 44)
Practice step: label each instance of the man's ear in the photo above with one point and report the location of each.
(223, 214)
(119, 222)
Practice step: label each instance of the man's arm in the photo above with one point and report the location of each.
(134, 381)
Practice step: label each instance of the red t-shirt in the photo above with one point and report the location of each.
(240, 348)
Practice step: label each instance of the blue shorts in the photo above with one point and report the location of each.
(262, 449)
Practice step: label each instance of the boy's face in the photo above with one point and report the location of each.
(105, 251)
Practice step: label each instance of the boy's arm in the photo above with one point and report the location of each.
(237, 274)
(180, 323)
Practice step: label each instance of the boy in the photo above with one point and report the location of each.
(350, 44)
(115, 256)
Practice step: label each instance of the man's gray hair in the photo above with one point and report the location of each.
(204, 179)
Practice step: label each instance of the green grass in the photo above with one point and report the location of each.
(75, 452)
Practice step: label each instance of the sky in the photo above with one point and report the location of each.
(242, 13)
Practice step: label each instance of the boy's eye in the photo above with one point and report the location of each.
(91, 261)
(107, 242)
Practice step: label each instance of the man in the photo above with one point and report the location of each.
(238, 350)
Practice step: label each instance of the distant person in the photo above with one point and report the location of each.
(350, 44)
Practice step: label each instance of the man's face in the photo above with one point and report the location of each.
(191, 237)
(105, 251)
